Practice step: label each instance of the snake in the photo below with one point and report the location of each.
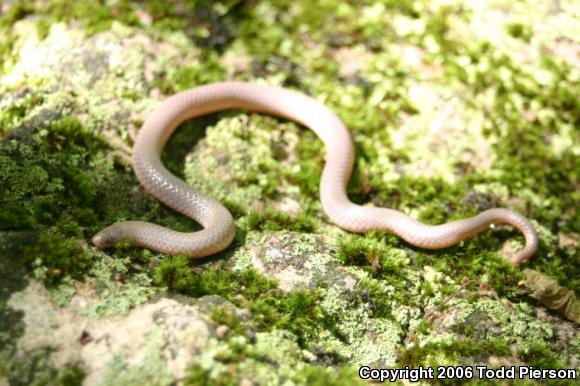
(218, 227)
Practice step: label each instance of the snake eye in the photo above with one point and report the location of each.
(109, 240)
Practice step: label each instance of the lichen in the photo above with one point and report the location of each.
(151, 371)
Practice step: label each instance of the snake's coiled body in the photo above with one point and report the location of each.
(218, 223)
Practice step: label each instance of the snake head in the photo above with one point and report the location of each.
(108, 237)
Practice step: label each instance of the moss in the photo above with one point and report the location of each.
(226, 317)
(17, 11)
(97, 16)
(61, 256)
(178, 275)
(318, 376)
(209, 24)
(50, 194)
(459, 351)
(253, 358)
(14, 275)
(13, 115)
(296, 311)
(380, 256)
(37, 370)
(47, 179)
(373, 252)
(207, 69)
(308, 375)
(474, 323)
(539, 355)
(72, 376)
(6, 44)
(520, 31)
(308, 174)
(197, 375)
(276, 221)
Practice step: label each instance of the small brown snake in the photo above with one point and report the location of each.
(218, 223)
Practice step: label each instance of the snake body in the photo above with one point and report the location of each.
(218, 224)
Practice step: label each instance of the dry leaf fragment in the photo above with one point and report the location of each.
(547, 291)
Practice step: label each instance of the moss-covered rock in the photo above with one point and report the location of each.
(454, 107)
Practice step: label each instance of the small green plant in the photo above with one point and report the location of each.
(460, 348)
(297, 311)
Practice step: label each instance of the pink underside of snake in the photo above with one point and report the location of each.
(218, 224)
